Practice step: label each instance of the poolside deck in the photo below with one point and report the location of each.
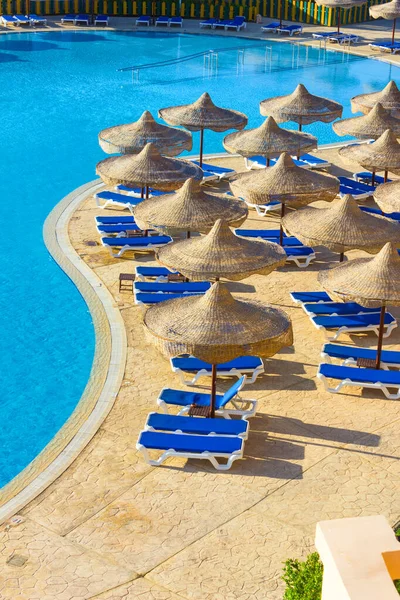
(113, 528)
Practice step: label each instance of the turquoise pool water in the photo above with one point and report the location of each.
(57, 91)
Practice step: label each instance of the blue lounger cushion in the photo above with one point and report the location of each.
(352, 352)
(144, 241)
(115, 197)
(154, 298)
(213, 168)
(22, 18)
(352, 321)
(192, 365)
(184, 398)
(136, 190)
(175, 20)
(377, 211)
(194, 425)
(153, 271)
(162, 19)
(368, 176)
(313, 160)
(143, 18)
(261, 160)
(121, 220)
(120, 228)
(271, 26)
(338, 308)
(190, 443)
(300, 251)
(360, 375)
(304, 297)
(351, 186)
(263, 233)
(174, 288)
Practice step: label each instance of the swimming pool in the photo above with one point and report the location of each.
(58, 90)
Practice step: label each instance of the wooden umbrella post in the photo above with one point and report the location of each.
(341, 257)
(201, 146)
(393, 30)
(142, 192)
(147, 192)
(373, 178)
(267, 161)
(338, 19)
(213, 390)
(300, 127)
(281, 226)
(380, 338)
(385, 177)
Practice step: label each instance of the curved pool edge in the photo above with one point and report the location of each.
(107, 368)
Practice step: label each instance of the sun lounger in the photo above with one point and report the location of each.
(68, 19)
(175, 21)
(118, 220)
(226, 405)
(378, 379)
(162, 21)
(208, 23)
(290, 29)
(366, 177)
(22, 20)
(263, 209)
(220, 172)
(260, 162)
(307, 297)
(144, 244)
(271, 27)
(336, 309)
(154, 288)
(343, 38)
(195, 426)
(315, 162)
(120, 229)
(350, 354)
(206, 447)
(270, 235)
(101, 20)
(237, 23)
(159, 274)
(82, 19)
(6, 20)
(37, 20)
(377, 211)
(104, 199)
(353, 324)
(299, 254)
(251, 366)
(143, 20)
(137, 192)
(386, 47)
(322, 35)
(358, 189)
(149, 298)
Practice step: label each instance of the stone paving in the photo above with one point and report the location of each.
(113, 528)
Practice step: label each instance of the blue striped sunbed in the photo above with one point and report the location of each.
(377, 211)
(175, 21)
(118, 220)
(8, 20)
(386, 47)
(143, 20)
(208, 22)
(271, 27)
(123, 228)
(290, 29)
(356, 188)
(150, 298)
(260, 162)
(207, 447)
(226, 405)
(350, 354)
(299, 254)
(337, 309)
(251, 366)
(158, 273)
(162, 21)
(101, 20)
(265, 234)
(37, 19)
(83, 19)
(237, 23)
(22, 20)
(366, 177)
(144, 244)
(115, 199)
(321, 35)
(68, 18)
(153, 292)
(378, 379)
(306, 297)
(221, 172)
(192, 425)
(353, 324)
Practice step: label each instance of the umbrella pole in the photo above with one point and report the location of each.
(213, 389)
(201, 146)
(147, 192)
(380, 338)
(393, 30)
(341, 257)
(373, 178)
(188, 235)
(300, 127)
(142, 192)
(338, 19)
(281, 226)
(267, 161)
(385, 177)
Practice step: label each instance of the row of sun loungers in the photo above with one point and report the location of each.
(350, 317)
(162, 20)
(277, 28)
(84, 19)
(393, 48)
(237, 23)
(307, 161)
(17, 20)
(339, 38)
(146, 292)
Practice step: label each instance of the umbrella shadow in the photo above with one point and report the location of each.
(31, 45)
(239, 287)
(73, 36)
(5, 57)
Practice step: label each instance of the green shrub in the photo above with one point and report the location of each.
(303, 579)
(397, 585)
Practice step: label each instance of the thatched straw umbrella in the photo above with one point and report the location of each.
(301, 107)
(269, 140)
(189, 209)
(287, 183)
(217, 328)
(389, 97)
(372, 282)
(221, 253)
(389, 11)
(203, 114)
(382, 155)
(133, 137)
(148, 168)
(369, 126)
(341, 227)
(339, 4)
(387, 196)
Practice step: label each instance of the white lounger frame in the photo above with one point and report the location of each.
(366, 329)
(297, 259)
(263, 209)
(373, 386)
(107, 203)
(220, 373)
(353, 314)
(127, 248)
(243, 435)
(212, 457)
(350, 361)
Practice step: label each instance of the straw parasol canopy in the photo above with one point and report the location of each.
(389, 97)
(372, 282)
(189, 209)
(341, 227)
(338, 4)
(217, 328)
(147, 168)
(269, 140)
(389, 11)
(203, 114)
(133, 137)
(221, 253)
(301, 107)
(382, 155)
(387, 196)
(372, 125)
